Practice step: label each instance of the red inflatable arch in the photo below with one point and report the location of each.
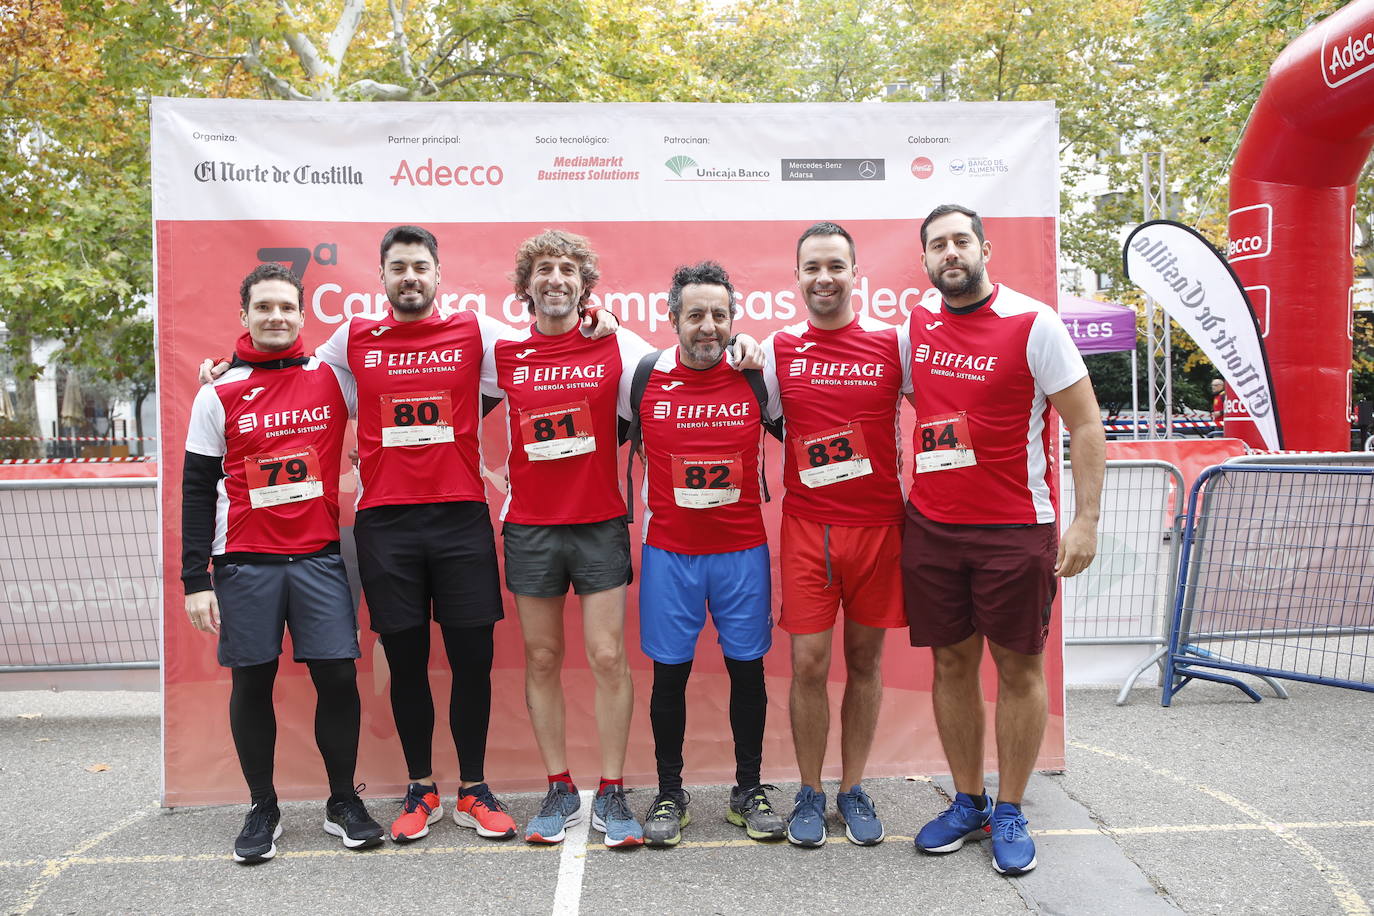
(1292, 223)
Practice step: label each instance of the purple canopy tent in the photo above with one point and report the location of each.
(1103, 327)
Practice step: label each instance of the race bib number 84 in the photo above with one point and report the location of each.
(286, 478)
(943, 443)
(706, 482)
(421, 418)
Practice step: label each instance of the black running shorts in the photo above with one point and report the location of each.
(439, 555)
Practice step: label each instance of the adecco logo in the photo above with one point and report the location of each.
(922, 167)
(1251, 229)
(1346, 56)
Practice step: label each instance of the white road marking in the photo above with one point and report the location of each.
(567, 896)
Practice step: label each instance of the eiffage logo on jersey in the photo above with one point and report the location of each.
(955, 365)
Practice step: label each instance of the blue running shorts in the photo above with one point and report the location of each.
(677, 588)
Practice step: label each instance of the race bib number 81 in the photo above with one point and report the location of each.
(706, 482)
(559, 431)
(943, 443)
(286, 478)
(422, 418)
(831, 456)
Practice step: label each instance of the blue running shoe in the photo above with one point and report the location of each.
(1013, 850)
(806, 823)
(861, 824)
(560, 809)
(612, 816)
(961, 821)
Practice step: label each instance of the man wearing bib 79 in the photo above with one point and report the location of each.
(980, 551)
(704, 546)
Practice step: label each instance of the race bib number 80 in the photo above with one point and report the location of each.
(286, 478)
(706, 482)
(943, 443)
(421, 418)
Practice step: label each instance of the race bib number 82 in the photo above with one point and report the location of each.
(706, 482)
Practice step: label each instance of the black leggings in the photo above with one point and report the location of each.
(253, 721)
(469, 651)
(668, 716)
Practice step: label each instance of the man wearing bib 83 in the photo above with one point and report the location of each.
(260, 496)
(981, 550)
(704, 548)
(837, 378)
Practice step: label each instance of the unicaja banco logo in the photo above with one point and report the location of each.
(678, 163)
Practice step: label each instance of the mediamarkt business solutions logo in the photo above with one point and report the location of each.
(234, 173)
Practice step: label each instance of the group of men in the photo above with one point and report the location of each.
(972, 555)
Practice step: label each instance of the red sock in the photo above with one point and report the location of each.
(618, 783)
(563, 777)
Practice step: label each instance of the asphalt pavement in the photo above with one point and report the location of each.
(1216, 805)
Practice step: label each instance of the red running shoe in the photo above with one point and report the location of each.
(420, 809)
(477, 808)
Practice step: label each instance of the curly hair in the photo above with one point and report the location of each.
(269, 271)
(554, 243)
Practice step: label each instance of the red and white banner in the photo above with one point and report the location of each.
(652, 186)
(1191, 281)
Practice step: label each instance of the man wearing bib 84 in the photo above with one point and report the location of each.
(981, 550)
(704, 547)
(260, 496)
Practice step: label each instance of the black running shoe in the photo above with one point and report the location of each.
(257, 841)
(347, 819)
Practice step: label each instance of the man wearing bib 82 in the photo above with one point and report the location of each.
(564, 518)
(981, 550)
(425, 542)
(260, 495)
(704, 548)
(838, 379)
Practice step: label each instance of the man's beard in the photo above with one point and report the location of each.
(973, 279)
(418, 306)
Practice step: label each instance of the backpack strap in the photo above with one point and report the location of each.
(634, 433)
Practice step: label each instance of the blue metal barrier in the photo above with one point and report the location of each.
(1276, 579)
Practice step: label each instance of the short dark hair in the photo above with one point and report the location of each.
(410, 235)
(269, 271)
(707, 273)
(826, 228)
(946, 210)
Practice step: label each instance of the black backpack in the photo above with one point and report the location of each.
(633, 431)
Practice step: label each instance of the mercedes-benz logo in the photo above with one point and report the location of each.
(867, 169)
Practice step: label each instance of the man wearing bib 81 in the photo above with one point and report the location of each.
(260, 495)
(704, 547)
(981, 551)
(564, 518)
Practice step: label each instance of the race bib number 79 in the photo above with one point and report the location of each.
(421, 418)
(706, 482)
(286, 478)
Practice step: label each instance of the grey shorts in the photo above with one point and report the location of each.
(543, 560)
(258, 600)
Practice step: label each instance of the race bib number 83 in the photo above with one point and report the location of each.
(831, 456)
(706, 482)
(422, 418)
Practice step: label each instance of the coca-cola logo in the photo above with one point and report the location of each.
(922, 167)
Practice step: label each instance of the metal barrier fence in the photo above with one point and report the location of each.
(79, 576)
(1307, 459)
(1123, 597)
(1277, 578)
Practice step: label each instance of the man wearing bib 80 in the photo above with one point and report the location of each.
(981, 551)
(424, 535)
(260, 495)
(704, 547)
